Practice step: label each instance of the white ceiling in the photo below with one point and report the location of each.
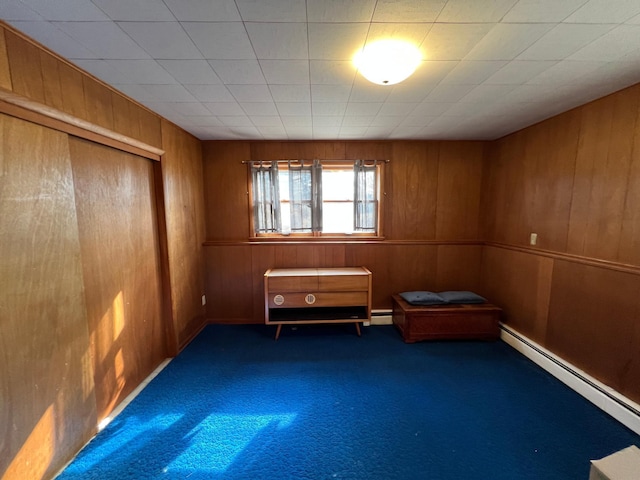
(281, 69)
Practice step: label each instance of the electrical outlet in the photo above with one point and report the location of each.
(204, 300)
(533, 240)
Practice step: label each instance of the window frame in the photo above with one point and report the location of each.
(320, 236)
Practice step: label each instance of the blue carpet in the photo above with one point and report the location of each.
(321, 403)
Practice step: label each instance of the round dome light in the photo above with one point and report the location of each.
(387, 62)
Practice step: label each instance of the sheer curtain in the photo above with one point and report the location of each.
(365, 200)
(305, 192)
(266, 197)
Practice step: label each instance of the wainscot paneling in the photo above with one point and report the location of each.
(115, 201)
(47, 397)
(5, 73)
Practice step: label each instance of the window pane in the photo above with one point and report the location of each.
(337, 217)
(337, 184)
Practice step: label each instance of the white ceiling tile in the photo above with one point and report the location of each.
(245, 131)
(105, 39)
(487, 93)
(331, 72)
(326, 121)
(518, 72)
(278, 40)
(238, 72)
(204, 10)
(224, 108)
(183, 108)
(390, 108)
(157, 93)
(266, 121)
(336, 41)
(413, 33)
(507, 41)
(251, 93)
(378, 132)
(340, 10)
(605, 11)
(203, 121)
(273, 132)
(196, 72)
(621, 41)
(272, 10)
(448, 93)
(325, 133)
(389, 121)
(357, 121)
(365, 91)
(407, 133)
(140, 10)
(530, 11)
(407, 10)
(347, 132)
(259, 108)
(431, 109)
(285, 72)
(475, 11)
(67, 10)
(103, 70)
(295, 132)
(563, 40)
(220, 40)
(211, 93)
(329, 108)
(13, 10)
(293, 108)
(290, 93)
(162, 40)
(416, 120)
(291, 122)
(634, 20)
(235, 121)
(404, 93)
(453, 41)
(429, 73)
(363, 108)
(330, 93)
(54, 38)
(142, 71)
(472, 72)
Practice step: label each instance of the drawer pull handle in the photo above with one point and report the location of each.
(310, 299)
(278, 299)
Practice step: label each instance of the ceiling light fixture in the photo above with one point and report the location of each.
(387, 62)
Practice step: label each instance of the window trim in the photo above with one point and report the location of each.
(319, 236)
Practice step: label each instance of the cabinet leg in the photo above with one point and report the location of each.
(358, 328)
(278, 331)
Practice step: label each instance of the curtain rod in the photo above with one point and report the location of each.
(331, 160)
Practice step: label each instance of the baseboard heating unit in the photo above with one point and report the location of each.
(621, 408)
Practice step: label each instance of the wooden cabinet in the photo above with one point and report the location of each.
(317, 295)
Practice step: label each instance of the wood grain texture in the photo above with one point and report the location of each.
(225, 188)
(458, 191)
(5, 74)
(116, 210)
(184, 205)
(25, 68)
(519, 283)
(593, 323)
(230, 293)
(46, 383)
(97, 100)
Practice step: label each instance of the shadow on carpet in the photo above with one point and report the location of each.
(322, 403)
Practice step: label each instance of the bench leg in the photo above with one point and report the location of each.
(278, 331)
(358, 328)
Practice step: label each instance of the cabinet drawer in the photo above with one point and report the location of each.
(343, 283)
(302, 283)
(318, 299)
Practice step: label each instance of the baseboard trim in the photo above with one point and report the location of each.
(621, 408)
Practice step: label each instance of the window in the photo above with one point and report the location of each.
(315, 198)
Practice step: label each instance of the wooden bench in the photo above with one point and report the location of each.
(446, 322)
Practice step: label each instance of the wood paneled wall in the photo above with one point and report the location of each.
(85, 257)
(431, 222)
(575, 181)
(184, 199)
